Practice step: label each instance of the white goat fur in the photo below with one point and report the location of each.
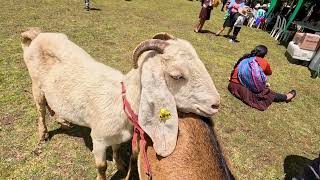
(88, 93)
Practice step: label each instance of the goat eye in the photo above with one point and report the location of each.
(178, 77)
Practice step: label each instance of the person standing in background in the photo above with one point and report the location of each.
(241, 17)
(230, 20)
(224, 2)
(260, 15)
(206, 7)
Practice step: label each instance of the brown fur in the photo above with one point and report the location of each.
(196, 156)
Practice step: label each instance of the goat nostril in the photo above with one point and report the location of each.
(215, 106)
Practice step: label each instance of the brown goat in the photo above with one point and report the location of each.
(197, 155)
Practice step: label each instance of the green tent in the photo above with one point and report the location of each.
(273, 4)
(295, 12)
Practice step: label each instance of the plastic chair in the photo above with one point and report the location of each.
(256, 22)
(281, 30)
(268, 21)
(276, 27)
(263, 21)
(251, 22)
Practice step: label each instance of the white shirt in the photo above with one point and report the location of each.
(240, 20)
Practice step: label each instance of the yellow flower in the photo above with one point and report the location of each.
(164, 114)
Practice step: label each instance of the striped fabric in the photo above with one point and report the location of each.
(251, 75)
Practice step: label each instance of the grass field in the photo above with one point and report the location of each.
(260, 145)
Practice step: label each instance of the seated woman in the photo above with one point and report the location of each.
(259, 100)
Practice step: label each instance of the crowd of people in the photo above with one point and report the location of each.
(235, 17)
(248, 80)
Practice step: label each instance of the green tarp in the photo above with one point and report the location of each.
(273, 4)
(295, 12)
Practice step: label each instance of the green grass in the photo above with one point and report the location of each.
(256, 143)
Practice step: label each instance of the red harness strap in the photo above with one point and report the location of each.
(137, 130)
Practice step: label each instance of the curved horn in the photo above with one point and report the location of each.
(163, 36)
(151, 44)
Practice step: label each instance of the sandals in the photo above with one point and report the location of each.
(294, 93)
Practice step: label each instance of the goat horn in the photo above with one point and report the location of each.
(163, 36)
(151, 44)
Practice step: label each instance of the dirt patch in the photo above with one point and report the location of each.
(37, 151)
(7, 119)
(27, 92)
(15, 156)
(229, 130)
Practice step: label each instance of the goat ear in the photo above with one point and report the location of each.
(158, 115)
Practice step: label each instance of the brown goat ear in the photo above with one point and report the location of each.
(163, 36)
(158, 115)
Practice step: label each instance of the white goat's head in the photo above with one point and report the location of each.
(175, 78)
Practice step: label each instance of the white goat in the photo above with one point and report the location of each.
(85, 92)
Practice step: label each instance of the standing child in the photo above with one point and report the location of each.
(229, 21)
(241, 17)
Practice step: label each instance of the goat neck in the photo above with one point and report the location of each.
(133, 88)
(196, 155)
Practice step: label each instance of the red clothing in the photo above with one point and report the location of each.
(260, 101)
(263, 64)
